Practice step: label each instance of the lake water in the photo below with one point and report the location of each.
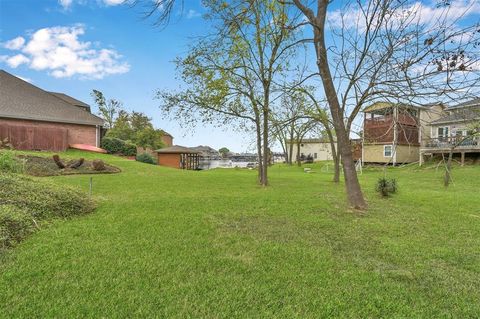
(226, 163)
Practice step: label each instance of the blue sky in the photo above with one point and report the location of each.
(130, 59)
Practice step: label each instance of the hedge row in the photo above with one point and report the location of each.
(117, 146)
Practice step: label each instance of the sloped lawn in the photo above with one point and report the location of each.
(169, 243)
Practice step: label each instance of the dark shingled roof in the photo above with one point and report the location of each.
(474, 102)
(463, 112)
(71, 100)
(176, 149)
(22, 100)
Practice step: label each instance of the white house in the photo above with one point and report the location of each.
(318, 149)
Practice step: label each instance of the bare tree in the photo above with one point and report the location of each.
(232, 73)
(385, 49)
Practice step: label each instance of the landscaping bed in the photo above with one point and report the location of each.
(45, 166)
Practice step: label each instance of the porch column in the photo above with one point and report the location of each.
(420, 161)
(462, 158)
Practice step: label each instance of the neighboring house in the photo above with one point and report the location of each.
(34, 119)
(392, 132)
(318, 149)
(453, 131)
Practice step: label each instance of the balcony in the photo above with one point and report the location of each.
(462, 143)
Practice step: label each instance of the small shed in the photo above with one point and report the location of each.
(178, 157)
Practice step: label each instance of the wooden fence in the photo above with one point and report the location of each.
(25, 137)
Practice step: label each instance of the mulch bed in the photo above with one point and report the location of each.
(45, 166)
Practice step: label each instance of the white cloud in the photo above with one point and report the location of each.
(14, 44)
(192, 14)
(66, 4)
(16, 60)
(413, 11)
(59, 51)
(113, 2)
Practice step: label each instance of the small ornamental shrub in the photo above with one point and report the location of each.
(9, 162)
(112, 145)
(117, 146)
(146, 158)
(386, 187)
(129, 149)
(98, 165)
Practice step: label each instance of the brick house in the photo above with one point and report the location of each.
(35, 119)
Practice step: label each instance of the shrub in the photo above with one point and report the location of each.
(15, 225)
(117, 146)
(146, 158)
(9, 163)
(98, 165)
(386, 186)
(112, 145)
(129, 149)
(25, 200)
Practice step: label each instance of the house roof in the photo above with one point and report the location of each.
(386, 105)
(460, 115)
(71, 100)
(22, 100)
(309, 140)
(176, 149)
(470, 103)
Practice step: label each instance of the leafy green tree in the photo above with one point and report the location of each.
(224, 151)
(108, 109)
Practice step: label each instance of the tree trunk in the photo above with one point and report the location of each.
(354, 191)
(448, 177)
(265, 146)
(259, 149)
(299, 161)
(291, 146)
(336, 160)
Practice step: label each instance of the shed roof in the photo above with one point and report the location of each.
(176, 149)
(22, 100)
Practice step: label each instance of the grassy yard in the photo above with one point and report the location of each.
(170, 243)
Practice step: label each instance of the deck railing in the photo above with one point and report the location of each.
(457, 142)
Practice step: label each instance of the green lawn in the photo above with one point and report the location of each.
(170, 243)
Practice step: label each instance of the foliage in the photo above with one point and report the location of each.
(117, 146)
(25, 202)
(9, 162)
(162, 236)
(138, 128)
(108, 109)
(386, 187)
(224, 151)
(146, 158)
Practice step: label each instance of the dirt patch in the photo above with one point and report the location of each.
(45, 166)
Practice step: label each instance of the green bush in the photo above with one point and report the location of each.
(129, 149)
(117, 146)
(24, 200)
(15, 225)
(386, 186)
(146, 158)
(9, 162)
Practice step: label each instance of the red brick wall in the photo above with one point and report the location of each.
(76, 133)
(167, 140)
(170, 160)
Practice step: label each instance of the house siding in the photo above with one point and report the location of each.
(373, 153)
(74, 134)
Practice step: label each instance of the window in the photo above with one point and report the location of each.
(442, 131)
(315, 155)
(387, 150)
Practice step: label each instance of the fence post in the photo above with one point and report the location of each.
(91, 186)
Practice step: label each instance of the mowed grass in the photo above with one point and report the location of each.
(212, 244)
